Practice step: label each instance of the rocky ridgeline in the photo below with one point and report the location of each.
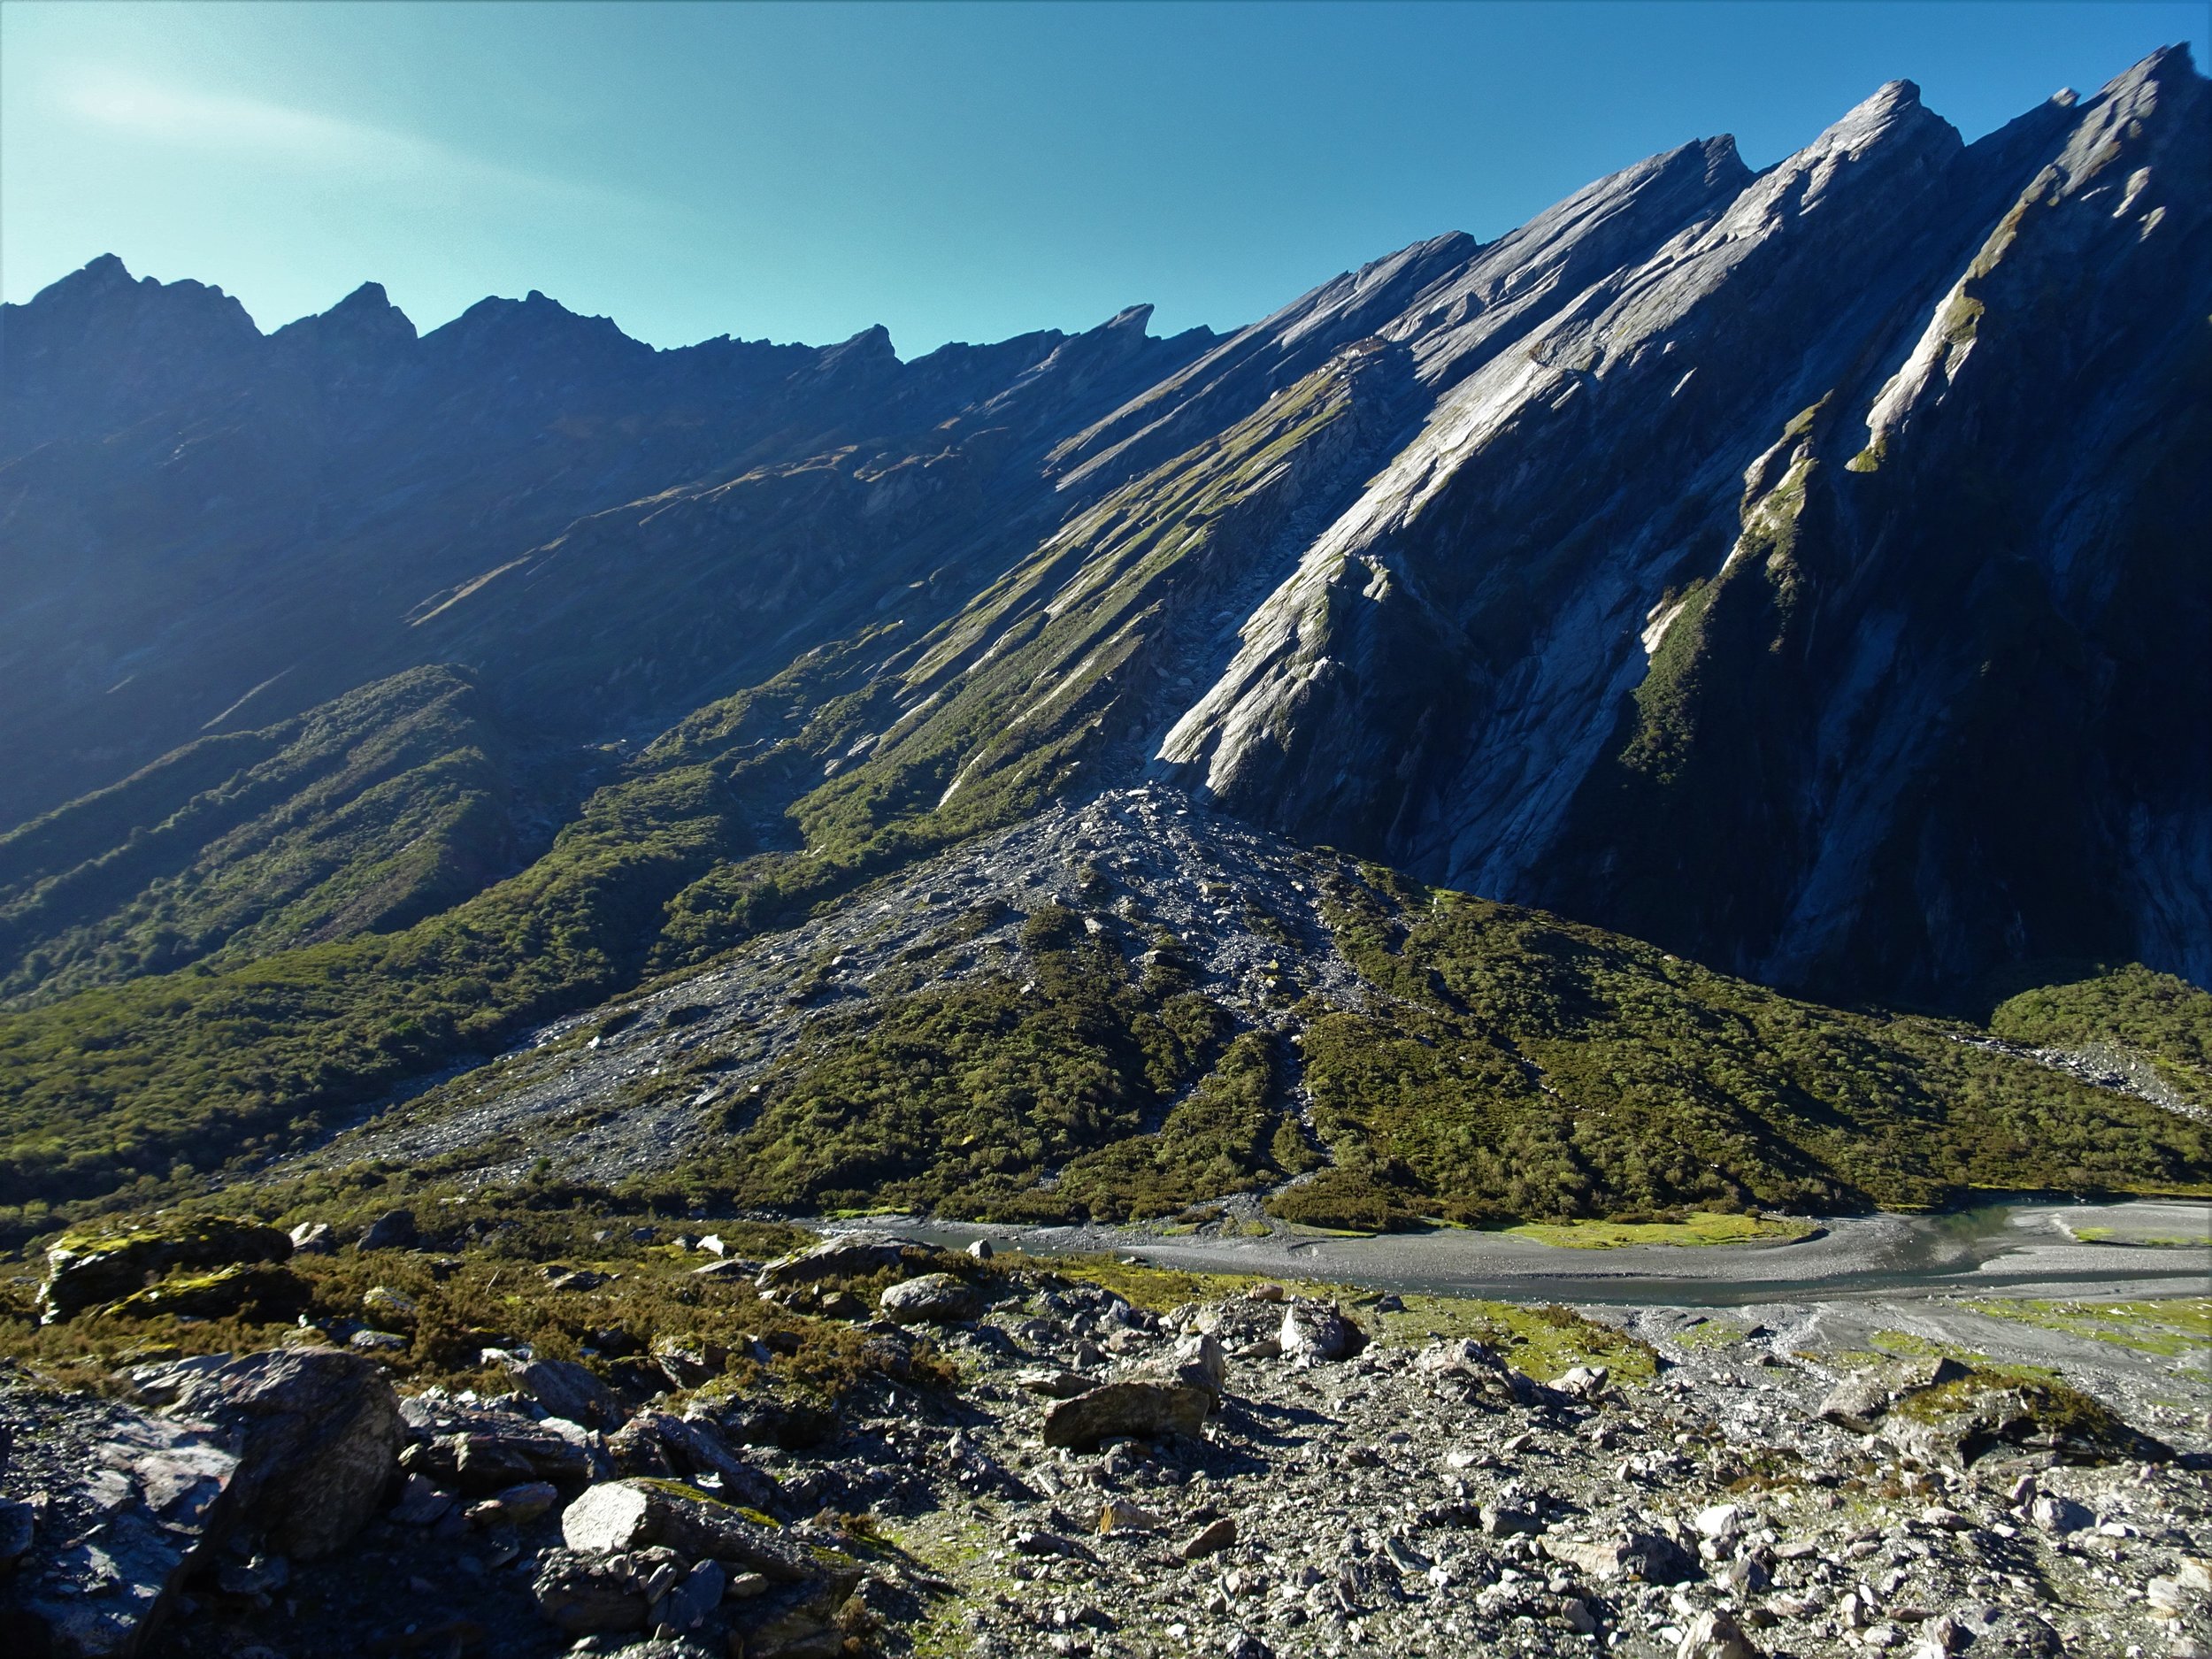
(1266, 1474)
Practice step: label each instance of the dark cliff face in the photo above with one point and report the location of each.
(1785, 597)
(1804, 569)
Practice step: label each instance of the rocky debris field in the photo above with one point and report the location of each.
(1245, 904)
(1132, 1461)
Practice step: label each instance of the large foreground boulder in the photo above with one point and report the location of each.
(286, 1451)
(317, 1431)
(119, 1504)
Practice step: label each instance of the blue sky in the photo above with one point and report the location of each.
(954, 171)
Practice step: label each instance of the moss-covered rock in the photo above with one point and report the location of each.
(92, 1266)
(258, 1291)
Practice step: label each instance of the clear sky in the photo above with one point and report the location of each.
(954, 171)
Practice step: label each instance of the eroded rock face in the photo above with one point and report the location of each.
(123, 1503)
(317, 1433)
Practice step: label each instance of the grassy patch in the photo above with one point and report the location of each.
(1711, 1334)
(1699, 1228)
(1540, 1341)
(2181, 1328)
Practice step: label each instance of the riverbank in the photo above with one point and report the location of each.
(2017, 1246)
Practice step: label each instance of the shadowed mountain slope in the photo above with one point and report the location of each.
(1800, 571)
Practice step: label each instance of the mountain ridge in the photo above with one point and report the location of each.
(1789, 570)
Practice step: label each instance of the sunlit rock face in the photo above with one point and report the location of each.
(1802, 569)
(1805, 580)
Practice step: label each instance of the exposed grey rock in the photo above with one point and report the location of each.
(848, 1256)
(1713, 1634)
(689, 1362)
(316, 1432)
(1211, 1539)
(1136, 1410)
(1319, 1331)
(662, 1443)
(566, 1390)
(515, 1506)
(932, 1299)
(1197, 1362)
(627, 1514)
(394, 1230)
(421, 1501)
(686, 1606)
(485, 1452)
(583, 1591)
(1638, 1556)
(129, 1504)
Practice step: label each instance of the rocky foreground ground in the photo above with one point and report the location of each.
(1253, 1470)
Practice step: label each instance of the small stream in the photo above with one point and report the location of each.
(2007, 1244)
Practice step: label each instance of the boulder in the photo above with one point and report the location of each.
(566, 1390)
(312, 1238)
(1583, 1382)
(515, 1506)
(582, 1593)
(1210, 1540)
(1713, 1634)
(260, 1291)
(1485, 1369)
(1859, 1401)
(134, 1501)
(485, 1452)
(1119, 1515)
(688, 1361)
(394, 1230)
(700, 1592)
(315, 1430)
(1967, 1417)
(849, 1255)
(636, 1449)
(1130, 1411)
(627, 1514)
(932, 1299)
(422, 1502)
(659, 1443)
(1196, 1361)
(389, 1308)
(1643, 1557)
(1317, 1332)
(92, 1266)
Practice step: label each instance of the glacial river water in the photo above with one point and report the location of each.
(2012, 1245)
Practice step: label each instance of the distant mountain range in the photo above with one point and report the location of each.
(1804, 571)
